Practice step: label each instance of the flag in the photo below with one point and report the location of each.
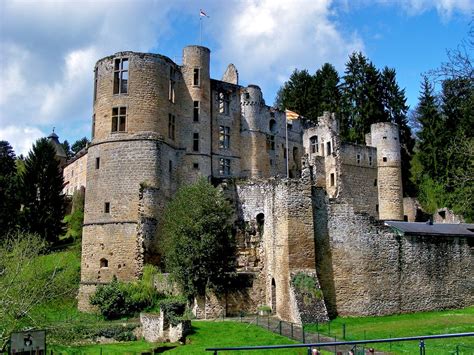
(290, 115)
(202, 13)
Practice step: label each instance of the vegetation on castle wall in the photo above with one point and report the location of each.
(306, 285)
(198, 246)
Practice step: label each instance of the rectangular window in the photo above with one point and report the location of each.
(270, 142)
(384, 159)
(370, 160)
(376, 208)
(170, 166)
(95, 83)
(171, 126)
(314, 144)
(196, 142)
(223, 99)
(119, 119)
(224, 137)
(224, 167)
(97, 163)
(375, 182)
(196, 111)
(121, 76)
(328, 146)
(196, 166)
(172, 84)
(196, 77)
(358, 159)
(107, 207)
(332, 179)
(93, 126)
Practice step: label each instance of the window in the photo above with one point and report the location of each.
(97, 163)
(384, 159)
(358, 159)
(93, 126)
(107, 207)
(322, 148)
(119, 119)
(121, 76)
(384, 137)
(196, 166)
(270, 142)
(171, 126)
(224, 137)
(172, 84)
(170, 166)
(104, 263)
(284, 150)
(271, 162)
(313, 144)
(376, 208)
(370, 160)
(196, 142)
(328, 148)
(247, 96)
(272, 126)
(196, 77)
(95, 83)
(332, 179)
(196, 111)
(224, 167)
(223, 102)
(375, 182)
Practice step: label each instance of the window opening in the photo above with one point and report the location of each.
(104, 263)
(170, 166)
(224, 167)
(172, 84)
(95, 83)
(97, 163)
(223, 102)
(196, 142)
(272, 126)
(384, 159)
(119, 119)
(260, 223)
(196, 166)
(375, 182)
(313, 141)
(196, 77)
(370, 160)
(270, 142)
(93, 126)
(107, 207)
(332, 179)
(171, 126)
(358, 159)
(224, 137)
(196, 111)
(328, 148)
(121, 76)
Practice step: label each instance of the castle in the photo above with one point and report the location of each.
(305, 202)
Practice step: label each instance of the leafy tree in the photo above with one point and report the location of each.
(9, 201)
(79, 144)
(75, 220)
(42, 184)
(198, 245)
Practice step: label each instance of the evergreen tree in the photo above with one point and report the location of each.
(79, 144)
(42, 184)
(198, 245)
(9, 201)
(326, 81)
(67, 149)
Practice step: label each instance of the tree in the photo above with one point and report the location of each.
(42, 184)
(79, 144)
(9, 202)
(198, 246)
(67, 149)
(327, 90)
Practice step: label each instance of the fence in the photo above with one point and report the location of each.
(313, 348)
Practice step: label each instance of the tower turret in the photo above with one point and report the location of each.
(385, 137)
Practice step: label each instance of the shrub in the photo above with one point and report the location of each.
(306, 285)
(173, 308)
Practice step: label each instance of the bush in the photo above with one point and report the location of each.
(173, 308)
(306, 285)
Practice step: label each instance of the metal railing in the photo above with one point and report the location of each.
(421, 339)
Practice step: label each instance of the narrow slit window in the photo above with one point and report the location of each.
(107, 207)
(375, 182)
(171, 126)
(172, 84)
(93, 126)
(95, 83)
(196, 111)
(358, 159)
(97, 163)
(170, 167)
(328, 148)
(332, 179)
(370, 160)
(196, 77)
(196, 142)
(121, 76)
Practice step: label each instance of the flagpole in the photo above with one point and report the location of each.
(200, 30)
(287, 167)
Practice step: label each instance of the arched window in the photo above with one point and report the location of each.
(273, 126)
(260, 223)
(104, 263)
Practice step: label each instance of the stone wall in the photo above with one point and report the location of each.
(366, 269)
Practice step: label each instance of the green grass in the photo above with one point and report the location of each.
(405, 325)
(131, 347)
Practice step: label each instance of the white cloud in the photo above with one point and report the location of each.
(268, 39)
(445, 8)
(21, 139)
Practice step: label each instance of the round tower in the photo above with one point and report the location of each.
(254, 133)
(196, 135)
(385, 137)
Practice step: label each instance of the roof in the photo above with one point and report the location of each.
(427, 228)
(54, 139)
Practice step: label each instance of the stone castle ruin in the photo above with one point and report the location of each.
(309, 209)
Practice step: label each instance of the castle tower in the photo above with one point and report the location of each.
(132, 118)
(385, 137)
(196, 128)
(254, 133)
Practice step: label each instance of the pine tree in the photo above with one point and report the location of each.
(79, 144)
(327, 90)
(42, 184)
(9, 201)
(67, 149)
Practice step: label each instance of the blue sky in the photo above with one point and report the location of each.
(48, 48)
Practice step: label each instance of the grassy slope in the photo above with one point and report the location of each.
(423, 323)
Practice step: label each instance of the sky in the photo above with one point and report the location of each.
(48, 48)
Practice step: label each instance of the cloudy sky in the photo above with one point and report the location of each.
(48, 48)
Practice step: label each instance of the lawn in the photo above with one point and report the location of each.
(422, 323)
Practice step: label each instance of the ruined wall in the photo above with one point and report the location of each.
(366, 269)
